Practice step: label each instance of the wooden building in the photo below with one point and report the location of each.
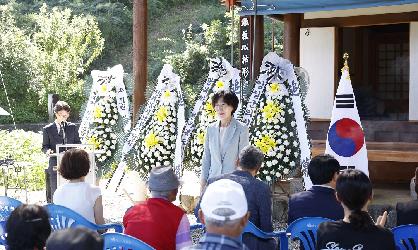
(381, 37)
(382, 40)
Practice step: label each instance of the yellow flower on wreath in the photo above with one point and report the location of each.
(103, 88)
(265, 144)
(167, 94)
(201, 138)
(271, 110)
(94, 141)
(220, 84)
(151, 140)
(97, 112)
(210, 111)
(274, 87)
(162, 113)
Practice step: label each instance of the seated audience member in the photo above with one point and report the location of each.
(258, 195)
(157, 221)
(82, 197)
(319, 200)
(27, 228)
(357, 230)
(407, 212)
(225, 214)
(78, 238)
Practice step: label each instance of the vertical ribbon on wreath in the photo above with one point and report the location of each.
(180, 125)
(305, 150)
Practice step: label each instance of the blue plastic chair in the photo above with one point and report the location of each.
(280, 235)
(7, 205)
(304, 229)
(406, 237)
(3, 233)
(62, 217)
(118, 241)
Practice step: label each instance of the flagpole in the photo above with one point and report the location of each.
(345, 57)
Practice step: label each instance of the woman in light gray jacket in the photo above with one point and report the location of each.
(224, 138)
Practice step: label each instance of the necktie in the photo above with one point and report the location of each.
(60, 133)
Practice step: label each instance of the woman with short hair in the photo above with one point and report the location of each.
(224, 138)
(357, 230)
(82, 197)
(27, 228)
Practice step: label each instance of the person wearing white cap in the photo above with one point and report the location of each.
(258, 195)
(224, 211)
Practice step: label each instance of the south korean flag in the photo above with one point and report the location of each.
(345, 138)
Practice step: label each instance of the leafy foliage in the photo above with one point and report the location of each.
(65, 45)
(15, 70)
(209, 41)
(24, 147)
(48, 53)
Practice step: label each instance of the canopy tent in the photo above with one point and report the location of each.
(3, 112)
(271, 7)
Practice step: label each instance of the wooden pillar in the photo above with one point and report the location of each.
(291, 41)
(140, 49)
(258, 52)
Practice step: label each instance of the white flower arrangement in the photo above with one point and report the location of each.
(273, 131)
(105, 112)
(156, 144)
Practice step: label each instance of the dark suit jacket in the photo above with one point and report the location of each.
(258, 196)
(315, 202)
(407, 212)
(51, 138)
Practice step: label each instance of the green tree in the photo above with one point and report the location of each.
(66, 45)
(49, 52)
(16, 70)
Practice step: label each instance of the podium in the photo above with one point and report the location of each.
(91, 176)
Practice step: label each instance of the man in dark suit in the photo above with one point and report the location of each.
(58, 132)
(320, 200)
(407, 212)
(258, 195)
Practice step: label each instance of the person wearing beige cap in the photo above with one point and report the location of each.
(157, 221)
(224, 211)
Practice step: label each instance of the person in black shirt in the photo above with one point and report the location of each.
(357, 230)
(319, 200)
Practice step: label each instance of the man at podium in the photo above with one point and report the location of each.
(58, 132)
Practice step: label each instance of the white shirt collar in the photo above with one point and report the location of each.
(325, 186)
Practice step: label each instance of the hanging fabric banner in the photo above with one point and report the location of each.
(102, 80)
(236, 88)
(305, 148)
